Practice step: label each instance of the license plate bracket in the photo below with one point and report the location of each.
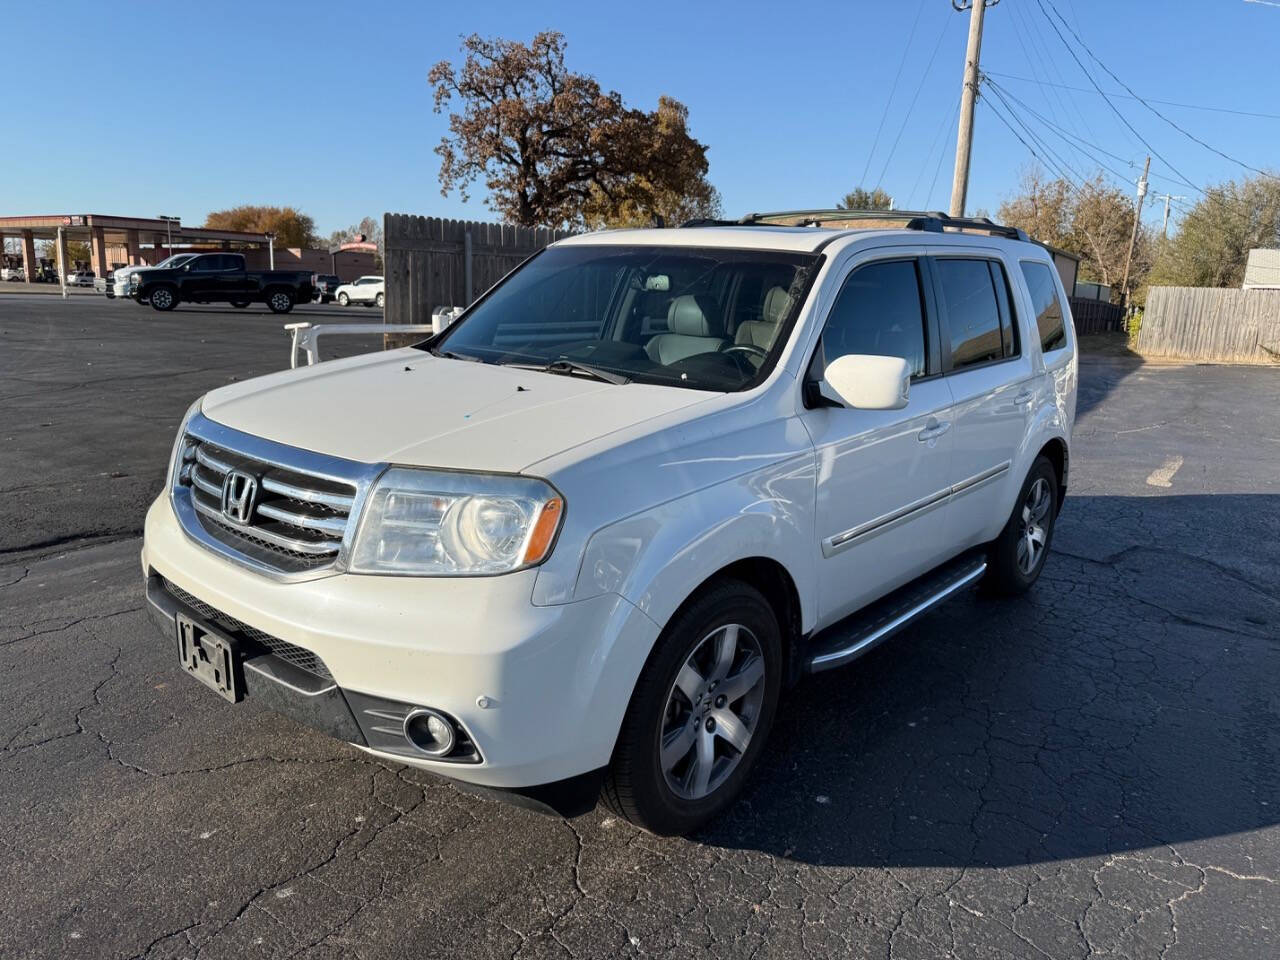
(210, 657)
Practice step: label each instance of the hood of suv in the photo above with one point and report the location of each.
(407, 406)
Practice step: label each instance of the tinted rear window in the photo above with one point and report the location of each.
(971, 310)
(1044, 298)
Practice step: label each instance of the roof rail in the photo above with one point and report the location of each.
(933, 221)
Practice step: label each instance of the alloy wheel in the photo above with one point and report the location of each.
(711, 712)
(1035, 526)
(280, 301)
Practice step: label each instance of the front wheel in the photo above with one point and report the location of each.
(279, 301)
(343, 300)
(700, 714)
(379, 300)
(1016, 557)
(163, 298)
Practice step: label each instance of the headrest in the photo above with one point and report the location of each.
(694, 316)
(776, 302)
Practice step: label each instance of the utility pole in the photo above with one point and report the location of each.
(1133, 235)
(968, 99)
(1167, 199)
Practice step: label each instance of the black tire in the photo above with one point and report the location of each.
(239, 304)
(343, 300)
(1007, 572)
(163, 298)
(379, 300)
(279, 301)
(636, 786)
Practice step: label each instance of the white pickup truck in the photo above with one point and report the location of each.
(581, 542)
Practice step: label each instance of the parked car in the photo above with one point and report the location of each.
(13, 273)
(367, 290)
(220, 278)
(80, 278)
(103, 285)
(326, 285)
(582, 541)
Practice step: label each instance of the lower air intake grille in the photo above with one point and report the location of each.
(255, 640)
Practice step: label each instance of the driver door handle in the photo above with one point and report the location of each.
(933, 430)
(1026, 396)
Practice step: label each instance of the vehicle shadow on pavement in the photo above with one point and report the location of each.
(1111, 360)
(1127, 701)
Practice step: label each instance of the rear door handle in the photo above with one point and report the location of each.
(1026, 396)
(933, 431)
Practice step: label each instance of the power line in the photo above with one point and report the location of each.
(1181, 130)
(892, 91)
(1114, 108)
(1064, 135)
(947, 124)
(911, 106)
(1125, 96)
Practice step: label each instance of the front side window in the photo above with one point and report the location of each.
(1045, 302)
(879, 312)
(704, 318)
(971, 310)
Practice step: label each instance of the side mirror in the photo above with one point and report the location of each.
(186, 268)
(866, 382)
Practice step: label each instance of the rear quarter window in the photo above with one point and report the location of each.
(1050, 321)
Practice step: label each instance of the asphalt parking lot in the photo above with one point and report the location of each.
(1090, 771)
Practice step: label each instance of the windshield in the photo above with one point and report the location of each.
(696, 317)
(177, 260)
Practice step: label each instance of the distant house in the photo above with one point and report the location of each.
(1262, 270)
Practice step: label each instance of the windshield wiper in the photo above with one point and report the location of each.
(568, 368)
(452, 355)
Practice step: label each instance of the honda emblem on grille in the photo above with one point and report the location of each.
(239, 496)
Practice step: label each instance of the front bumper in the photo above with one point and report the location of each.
(539, 690)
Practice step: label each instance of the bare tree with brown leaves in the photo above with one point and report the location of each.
(554, 149)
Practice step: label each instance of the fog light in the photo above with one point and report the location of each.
(430, 732)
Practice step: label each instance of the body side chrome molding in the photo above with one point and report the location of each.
(840, 541)
(978, 479)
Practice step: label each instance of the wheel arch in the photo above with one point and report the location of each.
(1055, 450)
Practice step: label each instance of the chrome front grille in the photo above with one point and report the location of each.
(296, 519)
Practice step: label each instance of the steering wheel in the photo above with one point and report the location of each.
(760, 352)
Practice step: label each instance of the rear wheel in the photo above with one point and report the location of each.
(700, 713)
(378, 301)
(280, 301)
(163, 298)
(1016, 557)
(343, 300)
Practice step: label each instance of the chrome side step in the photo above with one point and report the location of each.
(849, 639)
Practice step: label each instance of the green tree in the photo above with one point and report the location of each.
(862, 199)
(291, 227)
(555, 149)
(1213, 240)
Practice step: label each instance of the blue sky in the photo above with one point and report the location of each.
(150, 108)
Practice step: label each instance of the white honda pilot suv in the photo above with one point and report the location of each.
(581, 542)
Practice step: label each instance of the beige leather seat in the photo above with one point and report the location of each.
(761, 333)
(695, 327)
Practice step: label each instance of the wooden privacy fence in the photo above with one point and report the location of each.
(1211, 324)
(430, 262)
(1096, 316)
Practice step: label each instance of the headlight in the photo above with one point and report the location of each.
(439, 524)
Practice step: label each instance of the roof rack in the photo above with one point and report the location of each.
(932, 221)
